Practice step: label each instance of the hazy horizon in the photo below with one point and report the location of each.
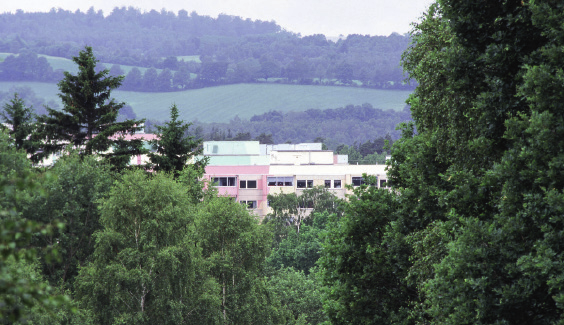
(331, 17)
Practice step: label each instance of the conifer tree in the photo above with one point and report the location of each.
(20, 118)
(173, 149)
(88, 118)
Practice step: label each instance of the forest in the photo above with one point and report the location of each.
(471, 231)
(170, 51)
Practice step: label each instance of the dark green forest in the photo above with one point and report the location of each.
(228, 49)
(471, 231)
(349, 125)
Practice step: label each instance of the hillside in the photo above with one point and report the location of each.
(220, 104)
(197, 51)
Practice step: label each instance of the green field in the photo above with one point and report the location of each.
(68, 65)
(220, 104)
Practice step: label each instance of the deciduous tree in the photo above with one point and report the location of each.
(235, 246)
(147, 268)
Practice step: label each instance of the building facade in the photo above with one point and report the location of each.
(249, 171)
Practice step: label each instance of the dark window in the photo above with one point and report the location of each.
(337, 183)
(224, 181)
(280, 181)
(310, 183)
(301, 183)
(247, 184)
(327, 183)
(357, 181)
(249, 204)
(383, 183)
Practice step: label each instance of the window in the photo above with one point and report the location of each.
(327, 183)
(383, 183)
(224, 181)
(280, 181)
(302, 183)
(337, 183)
(247, 184)
(249, 204)
(357, 181)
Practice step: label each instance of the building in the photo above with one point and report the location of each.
(249, 171)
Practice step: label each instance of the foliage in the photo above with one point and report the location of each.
(20, 119)
(234, 247)
(88, 118)
(299, 293)
(361, 262)
(173, 148)
(146, 268)
(190, 178)
(290, 211)
(24, 295)
(71, 197)
(301, 251)
(471, 232)
(26, 66)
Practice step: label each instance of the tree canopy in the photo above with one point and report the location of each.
(470, 231)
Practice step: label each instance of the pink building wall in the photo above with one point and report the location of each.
(230, 171)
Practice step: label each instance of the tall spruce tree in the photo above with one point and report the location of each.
(88, 118)
(173, 148)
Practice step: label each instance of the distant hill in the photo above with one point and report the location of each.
(193, 51)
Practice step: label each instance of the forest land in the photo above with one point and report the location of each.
(222, 73)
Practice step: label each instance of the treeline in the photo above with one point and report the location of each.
(230, 49)
(28, 66)
(351, 125)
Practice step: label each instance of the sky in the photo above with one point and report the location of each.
(329, 17)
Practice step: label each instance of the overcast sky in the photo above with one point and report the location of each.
(329, 17)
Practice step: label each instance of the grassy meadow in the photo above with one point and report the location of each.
(220, 104)
(68, 65)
